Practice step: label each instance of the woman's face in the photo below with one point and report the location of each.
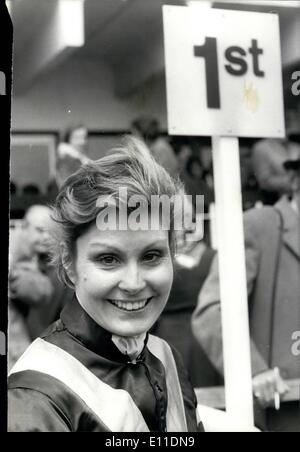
(123, 278)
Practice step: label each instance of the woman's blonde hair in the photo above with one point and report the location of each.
(129, 166)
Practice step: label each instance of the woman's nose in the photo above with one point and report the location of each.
(132, 279)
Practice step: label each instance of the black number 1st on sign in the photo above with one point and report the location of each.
(208, 51)
(237, 66)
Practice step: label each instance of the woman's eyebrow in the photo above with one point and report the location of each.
(104, 245)
(160, 242)
(155, 243)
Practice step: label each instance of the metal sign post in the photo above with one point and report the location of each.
(223, 73)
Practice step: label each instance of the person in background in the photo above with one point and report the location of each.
(13, 188)
(183, 151)
(147, 129)
(71, 152)
(31, 190)
(250, 190)
(268, 156)
(205, 156)
(194, 168)
(272, 243)
(195, 183)
(29, 286)
(36, 295)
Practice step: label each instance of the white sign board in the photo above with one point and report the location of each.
(223, 72)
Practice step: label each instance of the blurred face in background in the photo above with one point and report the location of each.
(196, 170)
(78, 139)
(183, 155)
(205, 156)
(37, 227)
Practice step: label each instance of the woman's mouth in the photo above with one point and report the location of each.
(127, 305)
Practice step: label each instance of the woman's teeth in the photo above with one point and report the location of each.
(130, 306)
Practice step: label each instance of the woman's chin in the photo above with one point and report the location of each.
(129, 330)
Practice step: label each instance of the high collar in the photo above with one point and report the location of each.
(93, 336)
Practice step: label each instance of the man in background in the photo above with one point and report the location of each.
(71, 152)
(268, 156)
(272, 244)
(147, 129)
(35, 294)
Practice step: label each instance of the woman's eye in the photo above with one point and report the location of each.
(152, 258)
(107, 260)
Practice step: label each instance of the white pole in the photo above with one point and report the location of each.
(233, 285)
(213, 227)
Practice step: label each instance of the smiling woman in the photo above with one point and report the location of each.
(123, 278)
(98, 368)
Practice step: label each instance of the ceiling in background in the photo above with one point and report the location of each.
(125, 33)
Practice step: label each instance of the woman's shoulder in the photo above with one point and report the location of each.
(44, 392)
(30, 410)
(38, 402)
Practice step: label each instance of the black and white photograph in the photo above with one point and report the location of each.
(152, 205)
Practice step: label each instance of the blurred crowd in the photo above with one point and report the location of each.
(270, 175)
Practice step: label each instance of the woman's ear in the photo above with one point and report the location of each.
(68, 263)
